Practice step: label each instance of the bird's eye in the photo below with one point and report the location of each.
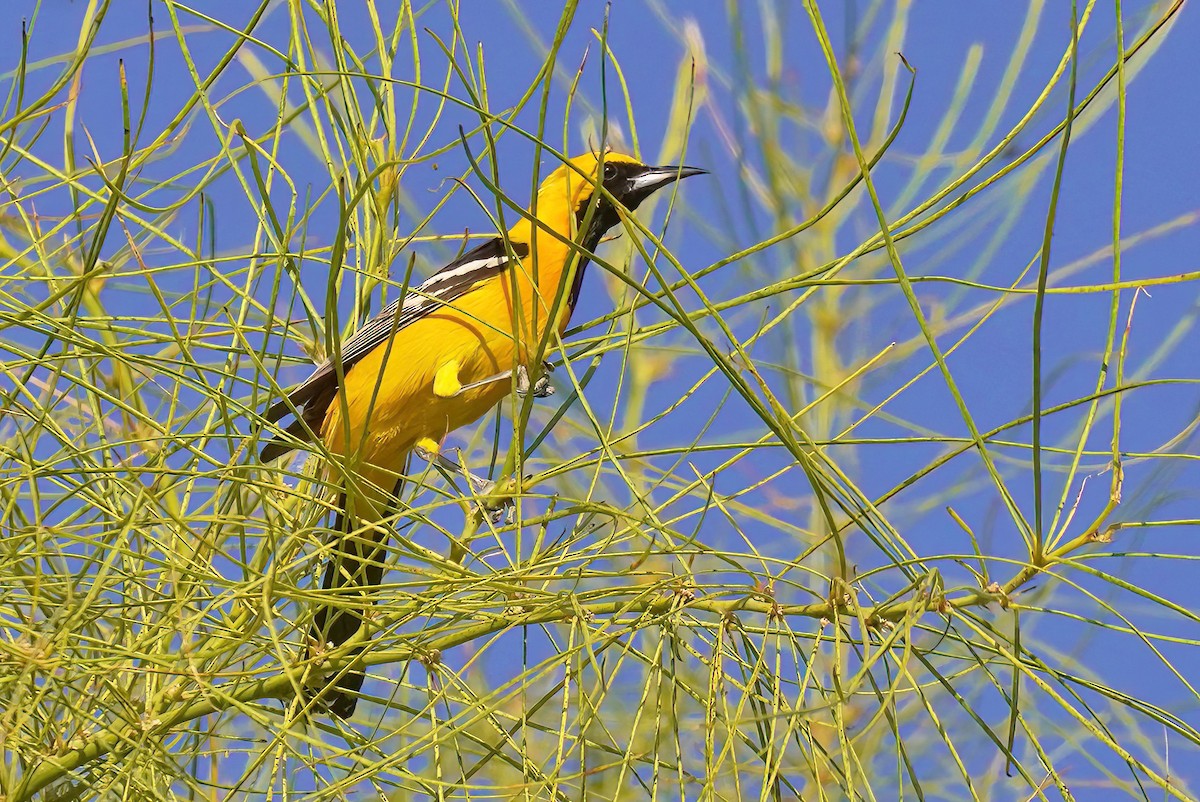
(610, 171)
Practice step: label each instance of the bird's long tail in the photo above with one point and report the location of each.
(355, 568)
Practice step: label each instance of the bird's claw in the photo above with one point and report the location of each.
(487, 503)
(542, 388)
(497, 507)
(504, 512)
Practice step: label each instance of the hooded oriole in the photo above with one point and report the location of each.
(441, 357)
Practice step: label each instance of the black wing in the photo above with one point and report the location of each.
(454, 280)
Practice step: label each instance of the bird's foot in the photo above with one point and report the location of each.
(482, 489)
(542, 388)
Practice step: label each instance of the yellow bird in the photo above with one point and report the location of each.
(440, 358)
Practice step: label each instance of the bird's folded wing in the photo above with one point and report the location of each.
(454, 280)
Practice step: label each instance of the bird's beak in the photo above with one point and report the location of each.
(657, 177)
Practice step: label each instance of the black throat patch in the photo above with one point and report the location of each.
(603, 216)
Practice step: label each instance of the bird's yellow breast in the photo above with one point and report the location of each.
(388, 404)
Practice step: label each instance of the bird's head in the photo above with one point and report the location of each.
(625, 179)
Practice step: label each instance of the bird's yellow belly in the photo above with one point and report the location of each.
(389, 403)
(390, 398)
